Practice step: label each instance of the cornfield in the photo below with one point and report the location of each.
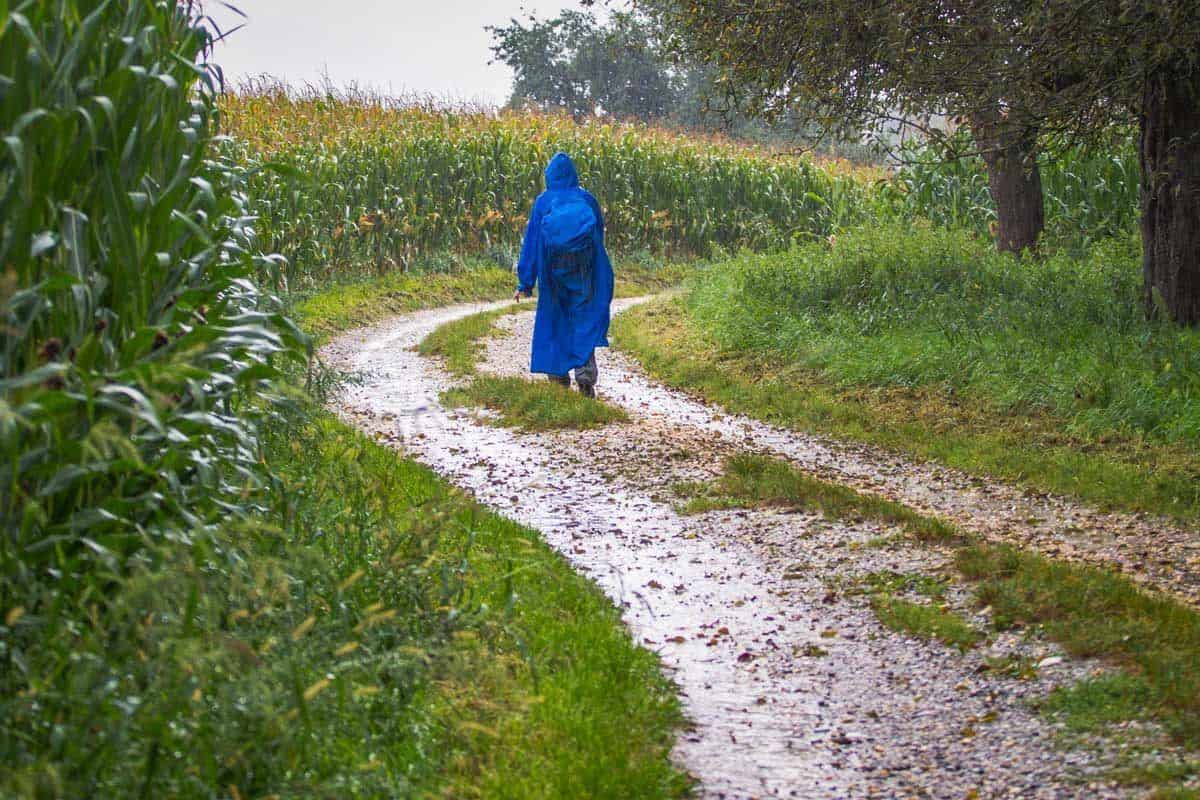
(130, 328)
(352, 181)
(1089, 194)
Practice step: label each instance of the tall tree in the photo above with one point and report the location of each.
(1136, 61)
(851, 65)
(1013, 69)
(575, 63)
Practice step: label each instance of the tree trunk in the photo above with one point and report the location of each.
(1014, 180)
(1170, 194)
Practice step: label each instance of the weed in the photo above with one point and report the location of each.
(925, 620)
(1094, 612)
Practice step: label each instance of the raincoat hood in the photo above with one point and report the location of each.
(560, 173)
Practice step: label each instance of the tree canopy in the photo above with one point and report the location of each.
(575, 63)
(618, 67)
(1014, 70)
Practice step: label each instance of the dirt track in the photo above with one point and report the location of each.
(794, 687)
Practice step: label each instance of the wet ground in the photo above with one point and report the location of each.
(794, 688)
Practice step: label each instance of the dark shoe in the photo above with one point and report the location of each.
(587, 389)
(561, 380)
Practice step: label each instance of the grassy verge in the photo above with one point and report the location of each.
(534, 405)
(539, 673)
(1092, 612)
(354, 305)
(925, 423)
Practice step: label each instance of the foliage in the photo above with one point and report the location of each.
(1012, 71)
(1089, 193)
(350, 183)
(1069, 67)
(290, 658)
(136, 351)
(850, 66)
(617, 69)
(576, 64)
(918, 307)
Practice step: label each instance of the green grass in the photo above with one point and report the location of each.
(641, 273)
(534, 405)
(459, 343)
(1093, 704)
(543, 694)
(1162, 774)
(354, 304)
(888, 582)
(925, 620)
(922, 422)
(911, 307)
(521, 666)
(754, 480)
(1181, 793)
(928, 619)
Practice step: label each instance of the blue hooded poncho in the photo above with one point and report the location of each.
(572, 314)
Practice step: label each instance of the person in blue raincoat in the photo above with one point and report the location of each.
(563, 255)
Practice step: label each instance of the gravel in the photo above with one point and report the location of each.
(793, 687)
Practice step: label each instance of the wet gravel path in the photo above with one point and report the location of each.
(793, 686)
(1153, 551)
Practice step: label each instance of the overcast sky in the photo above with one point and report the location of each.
(436, 46)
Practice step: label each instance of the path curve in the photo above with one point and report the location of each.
(794, 688)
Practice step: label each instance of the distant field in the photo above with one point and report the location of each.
(358, 183)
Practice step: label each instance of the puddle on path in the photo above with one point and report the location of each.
(794, 690)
